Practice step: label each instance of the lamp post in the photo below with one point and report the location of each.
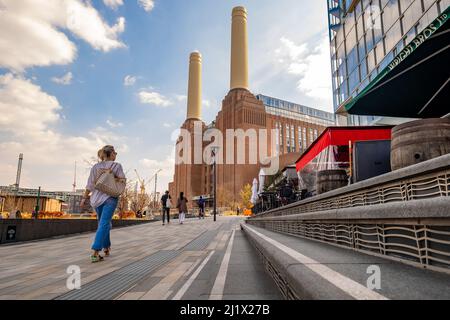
(214, 152)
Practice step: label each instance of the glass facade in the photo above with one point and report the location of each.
(365, 35)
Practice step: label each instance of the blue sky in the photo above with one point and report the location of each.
(63, 65)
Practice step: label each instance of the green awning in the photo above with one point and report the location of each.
(416, 82)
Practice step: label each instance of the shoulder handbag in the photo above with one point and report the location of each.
(109, 184)
(168, 203)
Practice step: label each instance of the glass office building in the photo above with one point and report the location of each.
(365, 36)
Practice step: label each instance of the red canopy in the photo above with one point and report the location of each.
(340, 136)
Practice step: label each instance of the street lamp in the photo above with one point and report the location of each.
(214, 152)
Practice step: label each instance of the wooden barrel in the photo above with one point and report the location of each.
(419, 140)
(328, 180)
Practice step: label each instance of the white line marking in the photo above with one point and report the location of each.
(347, 285)
(188, 283)
(219, 284)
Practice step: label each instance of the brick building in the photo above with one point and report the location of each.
(295, 126)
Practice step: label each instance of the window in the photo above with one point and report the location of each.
(353, 80)
(304, 138)
(277, 138)
(411, 15)
(390, 14)
(379, 52)
(292, 138)
(360, 26)
(363, 69)
(300, 142)
(281, 138)
(350, 41)
(371, 60)
(288, 140)
(311, 136)
(361, 49)
(369, 39)
(393, 36)
(352, 60)
(315, 134)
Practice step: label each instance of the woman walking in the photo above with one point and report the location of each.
(182, 207)
(104, 204)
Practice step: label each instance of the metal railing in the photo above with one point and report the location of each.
(421, 245)
(403, 215)
(423, 184)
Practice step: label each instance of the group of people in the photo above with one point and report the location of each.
(166, 202)
(105, 201)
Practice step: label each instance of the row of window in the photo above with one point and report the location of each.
(293, 107)
(298, 116)
(286, 135)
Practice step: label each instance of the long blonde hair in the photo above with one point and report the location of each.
(100, 155)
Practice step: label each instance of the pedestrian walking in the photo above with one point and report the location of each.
(201, 208)
(106, 183)
(166, 203)
(182, 207)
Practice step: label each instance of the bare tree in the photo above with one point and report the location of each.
(140, 202)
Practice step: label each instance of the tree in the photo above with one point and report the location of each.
(224, 197)
(139, 202)
(125, 200)
(246, 195)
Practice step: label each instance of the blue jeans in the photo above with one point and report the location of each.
(105, 213)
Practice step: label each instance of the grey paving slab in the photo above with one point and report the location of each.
(246, 274)
(39, 268)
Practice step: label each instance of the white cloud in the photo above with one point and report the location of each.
(129, 80)
(148, 5)
(64, 80)
(113, 4)
(154, 98)
(167, 165)
(310, 65)
(31, 32)
(113, 124)
(27, 126)
(292, 50)
(206, 103)
(181, 97)
(22, 102)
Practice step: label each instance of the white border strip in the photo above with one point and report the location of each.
(219, 284)
(188, 283)
(349, 286)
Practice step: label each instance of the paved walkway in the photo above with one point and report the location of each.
(209, 260)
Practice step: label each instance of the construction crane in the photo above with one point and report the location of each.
(141, 182)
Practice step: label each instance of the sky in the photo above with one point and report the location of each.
(76, 75)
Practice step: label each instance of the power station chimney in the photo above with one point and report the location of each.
(239, 49)
(19, 171)
(194, 99)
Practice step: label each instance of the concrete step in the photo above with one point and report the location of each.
(307, 269)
